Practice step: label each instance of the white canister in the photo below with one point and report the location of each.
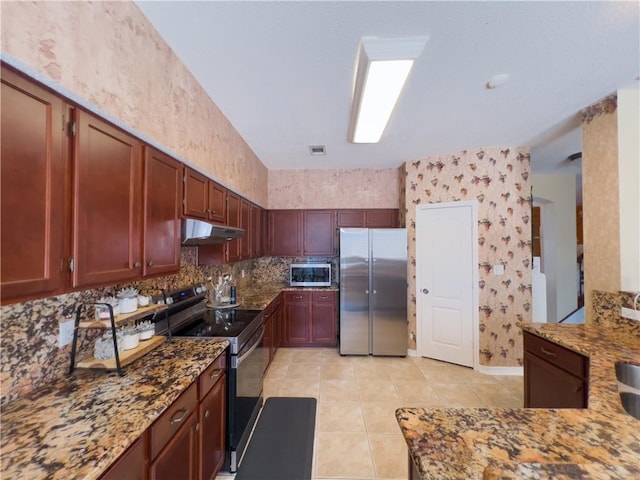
(130, 340)
(143, 300)
(128, 305)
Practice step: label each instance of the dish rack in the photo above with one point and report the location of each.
(120, 358)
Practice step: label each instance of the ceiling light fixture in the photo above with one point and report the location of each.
(382, 68)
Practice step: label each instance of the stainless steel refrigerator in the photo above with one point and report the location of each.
(373, 291)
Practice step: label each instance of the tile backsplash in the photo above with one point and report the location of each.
(30, 354)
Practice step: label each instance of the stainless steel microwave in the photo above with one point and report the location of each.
(310, 275)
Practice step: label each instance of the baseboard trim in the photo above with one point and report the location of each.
(412, 353)
(515, 371)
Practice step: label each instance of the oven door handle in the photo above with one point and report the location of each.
(253, 347)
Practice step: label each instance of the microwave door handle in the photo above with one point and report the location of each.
(253, 347)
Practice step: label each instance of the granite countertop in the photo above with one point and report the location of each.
(602, 441)
(78, 426)
(260, 295)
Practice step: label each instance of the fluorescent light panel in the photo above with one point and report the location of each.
(382, 69)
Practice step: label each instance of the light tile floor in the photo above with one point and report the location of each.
(357, 436)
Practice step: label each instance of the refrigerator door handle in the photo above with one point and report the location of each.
(367, 292)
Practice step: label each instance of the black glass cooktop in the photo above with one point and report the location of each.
(218, 323)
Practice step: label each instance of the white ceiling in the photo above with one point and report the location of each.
(282, 73)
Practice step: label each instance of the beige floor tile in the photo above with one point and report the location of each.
(370, 369)
(284, 354)
(497, 396)
(278, 369)
(458, 395)
(300, 387)
(445, 373)
(340, 417)
(310, 370)
(380, 417)
(271, 387)
(515, 384)
(308, 355)
(343, 455)
(389, 456)
(376, 390)
(337, 371)
(417, 393)
(339, 390)
(426, 362)
(405, 372)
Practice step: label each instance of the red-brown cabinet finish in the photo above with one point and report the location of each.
(554, 377)
(107, 203)
(296, 319)
(234, 219)
(196, 194)
(179, 459)
(212, 413)
(285, 232)
(245, 223)
(33, 175)
(324, 318)
(318, 232)
(368, 218)
(162, 194)
(217, 203)
(310, 319)
(256, 231)
(132, 464)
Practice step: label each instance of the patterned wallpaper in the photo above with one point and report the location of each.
(111, 56)
(348, 188)
(498, 179)
(600, 204)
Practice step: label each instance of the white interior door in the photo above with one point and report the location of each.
(446, 280)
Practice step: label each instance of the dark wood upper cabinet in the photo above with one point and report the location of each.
(234, 211)
(204, 198)
(34, 188)
(107, 203)
(367, 218)
(162, 198)
(245, 223)
(256, 231)
(318, 232)
(285, 232)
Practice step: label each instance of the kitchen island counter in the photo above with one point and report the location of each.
(602, 441)
(78, 426)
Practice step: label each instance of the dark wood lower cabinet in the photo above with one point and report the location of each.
(179, 457)
(554, 377)
(132, 465)
(310, 319)
(212, 412)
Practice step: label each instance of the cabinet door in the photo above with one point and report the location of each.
(324, 320)
(217, 203)
(162, 194)
(350, 218)
(547, 386)
(33, 176)
(179, 457)
(296, 319)
(256, 231)
(234, 247)
(132, 464)
(196, 194)
(318, 232)
(212, 412)
(245, 223)
(285, 232)
(381, 218)
(107, 203)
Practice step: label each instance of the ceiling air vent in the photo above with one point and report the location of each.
(317, 149)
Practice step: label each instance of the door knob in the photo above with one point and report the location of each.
(137, 265)
(150, 263)
(425, 290)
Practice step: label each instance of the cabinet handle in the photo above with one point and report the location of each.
(206, 414)
(150, 263)
(137, 265)
(547, 352)
(216, 373)
(179, 416)
(197, 427)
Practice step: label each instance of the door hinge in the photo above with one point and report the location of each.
(70, 264)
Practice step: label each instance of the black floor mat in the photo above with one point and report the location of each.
(281, 447)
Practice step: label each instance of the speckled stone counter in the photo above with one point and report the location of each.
(602, 441)
(76, 427)
(259, 296)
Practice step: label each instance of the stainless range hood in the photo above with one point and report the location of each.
(197, 232)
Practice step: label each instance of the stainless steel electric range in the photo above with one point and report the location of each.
(244, 330)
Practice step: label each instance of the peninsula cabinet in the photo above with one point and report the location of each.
(367, 218)
(554, 377)
(204, 198)
(162, 195)
(310, 319)
(107, 203)
(34, 187)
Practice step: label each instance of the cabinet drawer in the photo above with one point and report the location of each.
(171, 420)
(561, 357)
(296, 297)
(323, 297)
(212, 374)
